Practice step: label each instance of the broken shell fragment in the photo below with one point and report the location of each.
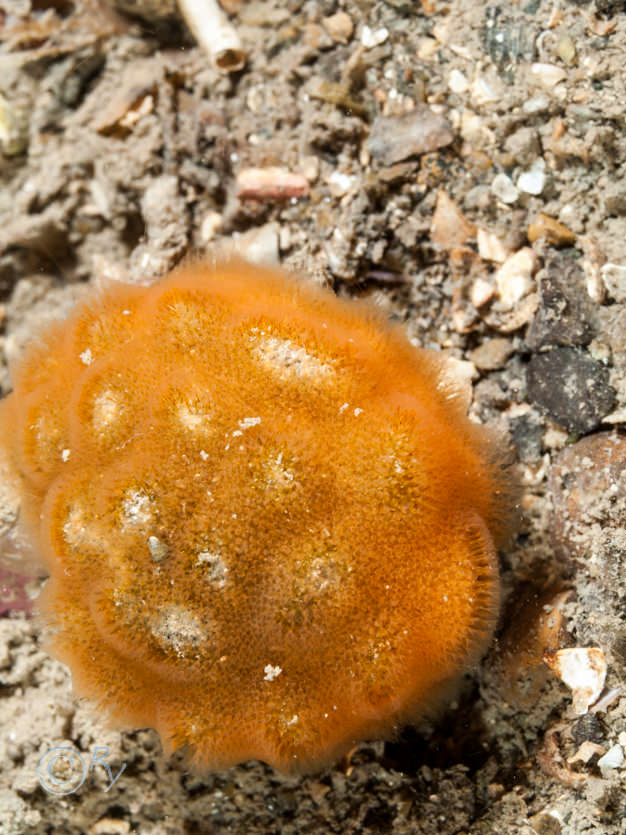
(482, 292)
(583, 670)
(270, 184)
(514, 279)
(585, 752)
(548, 75)
(490, 247)
(449, 226)
(614, 758)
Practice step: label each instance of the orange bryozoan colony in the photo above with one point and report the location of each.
(269, 527)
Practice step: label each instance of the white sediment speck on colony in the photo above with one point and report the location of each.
(247, 422)
(217, 569)
(86, 357)
(271, 672)
(137, 509)
(65, 454)
(277, 474)
(177, 628)
(322, 574)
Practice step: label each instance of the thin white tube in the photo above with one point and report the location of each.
(214, 33)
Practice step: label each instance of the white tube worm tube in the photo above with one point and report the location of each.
(214, 33)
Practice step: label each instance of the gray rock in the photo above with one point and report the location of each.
(396, 138)
(527, 432)
(565, 313)
(571, 388)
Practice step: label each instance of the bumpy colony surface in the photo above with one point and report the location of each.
(268, 525)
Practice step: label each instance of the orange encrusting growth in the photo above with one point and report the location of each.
(269, 527)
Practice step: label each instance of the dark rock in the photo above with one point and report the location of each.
(571, 388)
(509, 35)
(610, 7)
(589, 728)
(565, 313)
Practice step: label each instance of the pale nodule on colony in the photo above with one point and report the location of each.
(137, 509)
(192, 418)
(75, 530)
(285, 358)
(107, 409)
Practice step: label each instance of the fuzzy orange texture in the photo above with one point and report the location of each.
(269, 525)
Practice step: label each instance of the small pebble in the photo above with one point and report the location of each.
(490, 247)
(482, 292)
(571, 388)
(492, 354)
(13, 135)
(210, 226)
(548, 75)
(504, 189)
(427, 48)
(552, 230)
(614, 279)
(373, 37)
(259, 245)
(566, 50)
(457, 82)
(537, 103)
(533, 180)
(339, 26)
(483, 92)
(546, 823)
(310, 167)
(514, 279)
(340, 183)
